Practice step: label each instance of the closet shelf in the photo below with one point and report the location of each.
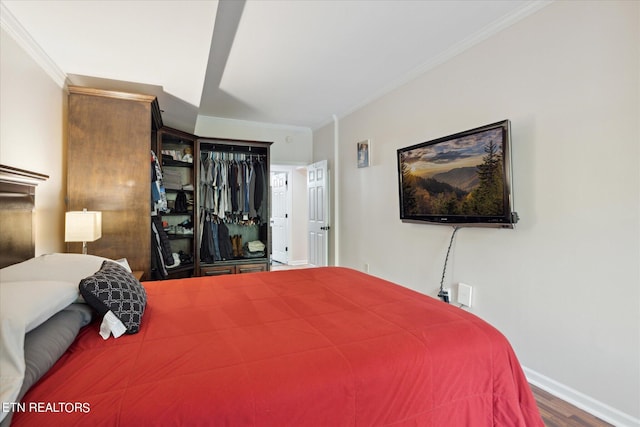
(176, 163)
(176, 236)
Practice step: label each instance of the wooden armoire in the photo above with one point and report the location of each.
(110, 135)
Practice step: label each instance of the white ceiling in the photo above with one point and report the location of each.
(286, 62)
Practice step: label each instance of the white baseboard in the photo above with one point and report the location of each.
(298, 262)
(582, 401)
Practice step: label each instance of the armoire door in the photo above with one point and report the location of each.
(108, 169)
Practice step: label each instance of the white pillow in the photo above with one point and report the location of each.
(64, 267)
(24, 306)
(33, 302)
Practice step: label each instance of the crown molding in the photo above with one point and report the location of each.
(10, 24)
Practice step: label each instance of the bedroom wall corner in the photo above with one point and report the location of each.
(32, 136)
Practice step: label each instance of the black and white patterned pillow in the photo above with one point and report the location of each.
(114, 288)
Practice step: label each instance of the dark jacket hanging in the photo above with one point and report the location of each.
(226, 248)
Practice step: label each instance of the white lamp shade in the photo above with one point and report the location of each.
(82, 226)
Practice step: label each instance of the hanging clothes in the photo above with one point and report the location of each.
(206, 242)
(259, 194)
(233, 185)
(252, 191)
(232, 193)
(158, 195)
(224, 242)
(160, 248)
(241, 187)
(247, 186)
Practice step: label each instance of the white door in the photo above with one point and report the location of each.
(318, 197)
(279, 217)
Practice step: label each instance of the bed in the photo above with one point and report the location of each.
(325, 346)
(308, 347)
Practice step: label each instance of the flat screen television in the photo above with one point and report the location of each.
(462, 179)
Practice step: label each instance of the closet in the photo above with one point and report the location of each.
(173, 201)
(233, 202)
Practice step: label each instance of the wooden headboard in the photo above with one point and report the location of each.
(17, 204)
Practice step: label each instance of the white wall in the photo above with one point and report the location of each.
(564, 287)
(291, 145)
(32, 106)
(299, 217)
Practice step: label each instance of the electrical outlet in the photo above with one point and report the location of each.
(366, 267)
(464, 294)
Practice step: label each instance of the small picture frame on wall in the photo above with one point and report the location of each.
(364, 153)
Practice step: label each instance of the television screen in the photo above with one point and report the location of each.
(460, 179)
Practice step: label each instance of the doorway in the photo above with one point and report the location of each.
(289, 241)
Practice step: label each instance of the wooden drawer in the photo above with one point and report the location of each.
(250, 268)
(219, 270)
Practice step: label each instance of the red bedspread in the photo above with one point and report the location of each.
(314, 347)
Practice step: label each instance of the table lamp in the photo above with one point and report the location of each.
(83, 226)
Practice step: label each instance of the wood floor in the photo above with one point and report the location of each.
(555, 412)
(558, 413)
